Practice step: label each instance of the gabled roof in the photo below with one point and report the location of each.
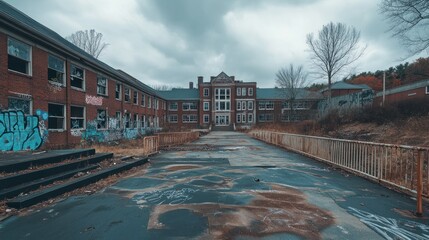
(13, 18)
(404, 88)
(281, 94)
(222, 78)
(341, 85)
(180, 94)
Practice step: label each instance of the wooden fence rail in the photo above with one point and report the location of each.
(176, 138)
(403, 167)
(151, 144)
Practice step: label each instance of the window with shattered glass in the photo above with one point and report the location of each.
(19, 56)
(56, 69)
(77, 77)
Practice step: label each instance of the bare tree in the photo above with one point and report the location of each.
(90, 41)
(409, 21)
(162, 87)
(291, 80)
(336, 47)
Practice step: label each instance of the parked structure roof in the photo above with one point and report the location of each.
(281, 94)
(180, 94)
(341, 85)
(404, 88)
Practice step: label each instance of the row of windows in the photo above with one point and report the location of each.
(191, 118)
(241, 118)
(243, 92)
(19, 60)
(243, 105)
(265, 117)
(297, 105)
(265, 105)
(240, 92)
(186, 106)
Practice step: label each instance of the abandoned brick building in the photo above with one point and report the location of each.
(54, 94)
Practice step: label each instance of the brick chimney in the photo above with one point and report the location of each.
(200, 80)
(191, 85)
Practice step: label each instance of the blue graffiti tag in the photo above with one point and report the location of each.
(19, 132)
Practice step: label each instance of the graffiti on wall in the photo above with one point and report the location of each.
(93, 100)
(19, 132)
(346, 103)
(43, 117)
(55, 88)
(113, 132)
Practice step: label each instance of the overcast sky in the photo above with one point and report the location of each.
(171, 42)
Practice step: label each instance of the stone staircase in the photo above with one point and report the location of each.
(223, 128)
(25, 178)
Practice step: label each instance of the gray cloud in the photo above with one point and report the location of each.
(172, 42)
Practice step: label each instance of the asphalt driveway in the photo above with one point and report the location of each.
(229, 186)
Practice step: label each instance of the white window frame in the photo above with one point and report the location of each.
(173, 116)
(127, 93)
(135, 123)
(187, 118)
(63, 117)
(135, 97)
(105, 119)
(243, 92)
(118, 116)
(243, 105)
(250, 117)
(120, 91)
(143, 100)
(106, 93)
(76, 76)
(189, 106)
(238, 91)
(63, 73)
(29, 60)
(206, 92)
(427, 89)
(238, 105)
(173, 109)
(250, 105)
(238, 117)
(243, 118)
(206, 106)
(250, 91)
(204, 118)
(81, 118)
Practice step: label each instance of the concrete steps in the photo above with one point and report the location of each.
(26, 175)
(37, 197)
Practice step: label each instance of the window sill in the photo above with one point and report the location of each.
(57, 83)
(29, 76)
(102, 95)
(78, 89)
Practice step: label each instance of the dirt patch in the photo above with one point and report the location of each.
(281, 210)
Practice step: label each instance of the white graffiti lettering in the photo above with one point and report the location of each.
(171, 197)
(96, 101)
(391, 228)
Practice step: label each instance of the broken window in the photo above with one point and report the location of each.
(118, 117)
(77, 117)
(23, 105)
(56, 116)
(77, 77)
(102, 85)
(142, 101)
(127, 92)
(127, 119)
(135, 97)
(118, 91)
(101, 119)
(56, 70)
(19, 56)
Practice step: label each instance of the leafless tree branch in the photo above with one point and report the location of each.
(409, 21)
(90, 41)
(335, 48)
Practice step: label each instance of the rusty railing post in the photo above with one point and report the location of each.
(419, 176)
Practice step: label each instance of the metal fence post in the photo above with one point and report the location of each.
(419, 176)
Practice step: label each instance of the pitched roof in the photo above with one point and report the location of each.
(281, 94)
(341, 85)
(180, 94)
(403, 88)
(12, 17)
